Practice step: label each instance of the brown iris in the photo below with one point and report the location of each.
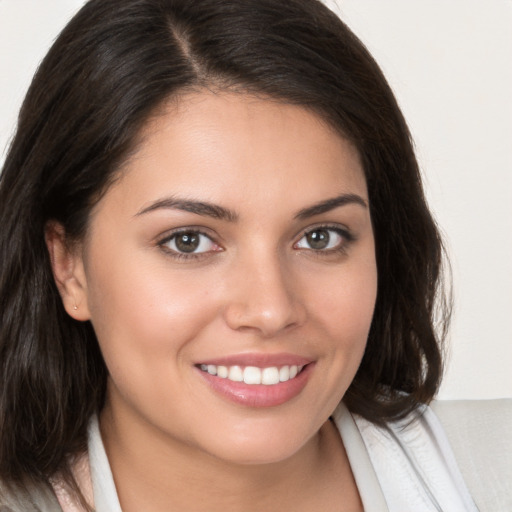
(187, 242)
(318, 239)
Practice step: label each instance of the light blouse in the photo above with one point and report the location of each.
(406, 466)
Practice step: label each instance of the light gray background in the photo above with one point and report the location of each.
(450, 64)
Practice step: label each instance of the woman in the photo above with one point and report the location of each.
(219, 274)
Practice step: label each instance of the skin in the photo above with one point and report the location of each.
(256, 287)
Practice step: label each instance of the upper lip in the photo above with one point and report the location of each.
(258, 360)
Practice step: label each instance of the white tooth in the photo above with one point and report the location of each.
(235, 374)
(284, 374)
(222, 372)
(212, 369)
(204, 367)
(270, 376)
(293, 371)
(252, 375)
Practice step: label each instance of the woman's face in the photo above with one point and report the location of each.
(235, 250)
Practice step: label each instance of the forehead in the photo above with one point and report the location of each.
(226, 147)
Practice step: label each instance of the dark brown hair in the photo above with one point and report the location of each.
(110, 70)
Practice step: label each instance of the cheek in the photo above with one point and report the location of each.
(340, 305)
(144, 312)
(145, 322)
(346, 303)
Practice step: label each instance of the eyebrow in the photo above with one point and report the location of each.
(219, 212)
(331, 204)
(198, 207)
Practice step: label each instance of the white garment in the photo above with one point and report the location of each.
(406, 467)
(104, 489)
(411, 460)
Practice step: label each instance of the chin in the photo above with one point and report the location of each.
(258, 446)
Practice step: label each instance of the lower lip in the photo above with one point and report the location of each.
(259, 395)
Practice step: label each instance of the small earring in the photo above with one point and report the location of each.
(75, 307)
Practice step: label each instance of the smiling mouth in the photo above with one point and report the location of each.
(252, 375)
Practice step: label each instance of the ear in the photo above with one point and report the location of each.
(68, 271)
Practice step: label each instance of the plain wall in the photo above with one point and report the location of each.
(449, 65)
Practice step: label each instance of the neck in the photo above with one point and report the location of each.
(154, 472)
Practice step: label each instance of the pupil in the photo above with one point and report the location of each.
(187, 242)
(318, 239)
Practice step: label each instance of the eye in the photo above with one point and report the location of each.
(189, 242)
(323, 239)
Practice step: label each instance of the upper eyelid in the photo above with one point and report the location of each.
(339, 228)
(162, 242)
(168, 235)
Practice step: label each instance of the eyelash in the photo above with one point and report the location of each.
(346, 236)
(183, 255)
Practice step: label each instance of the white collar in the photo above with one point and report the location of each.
(407, 465)
(104, 489)
(413, 462)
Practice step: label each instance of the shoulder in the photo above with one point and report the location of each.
(462, 445)
(480, 434)
(27, 498)
(415, 464)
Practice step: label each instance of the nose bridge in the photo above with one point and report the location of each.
(262, 294)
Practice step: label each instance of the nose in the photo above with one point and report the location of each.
(263, 298)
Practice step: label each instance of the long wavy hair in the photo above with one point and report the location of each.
(111, 69)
